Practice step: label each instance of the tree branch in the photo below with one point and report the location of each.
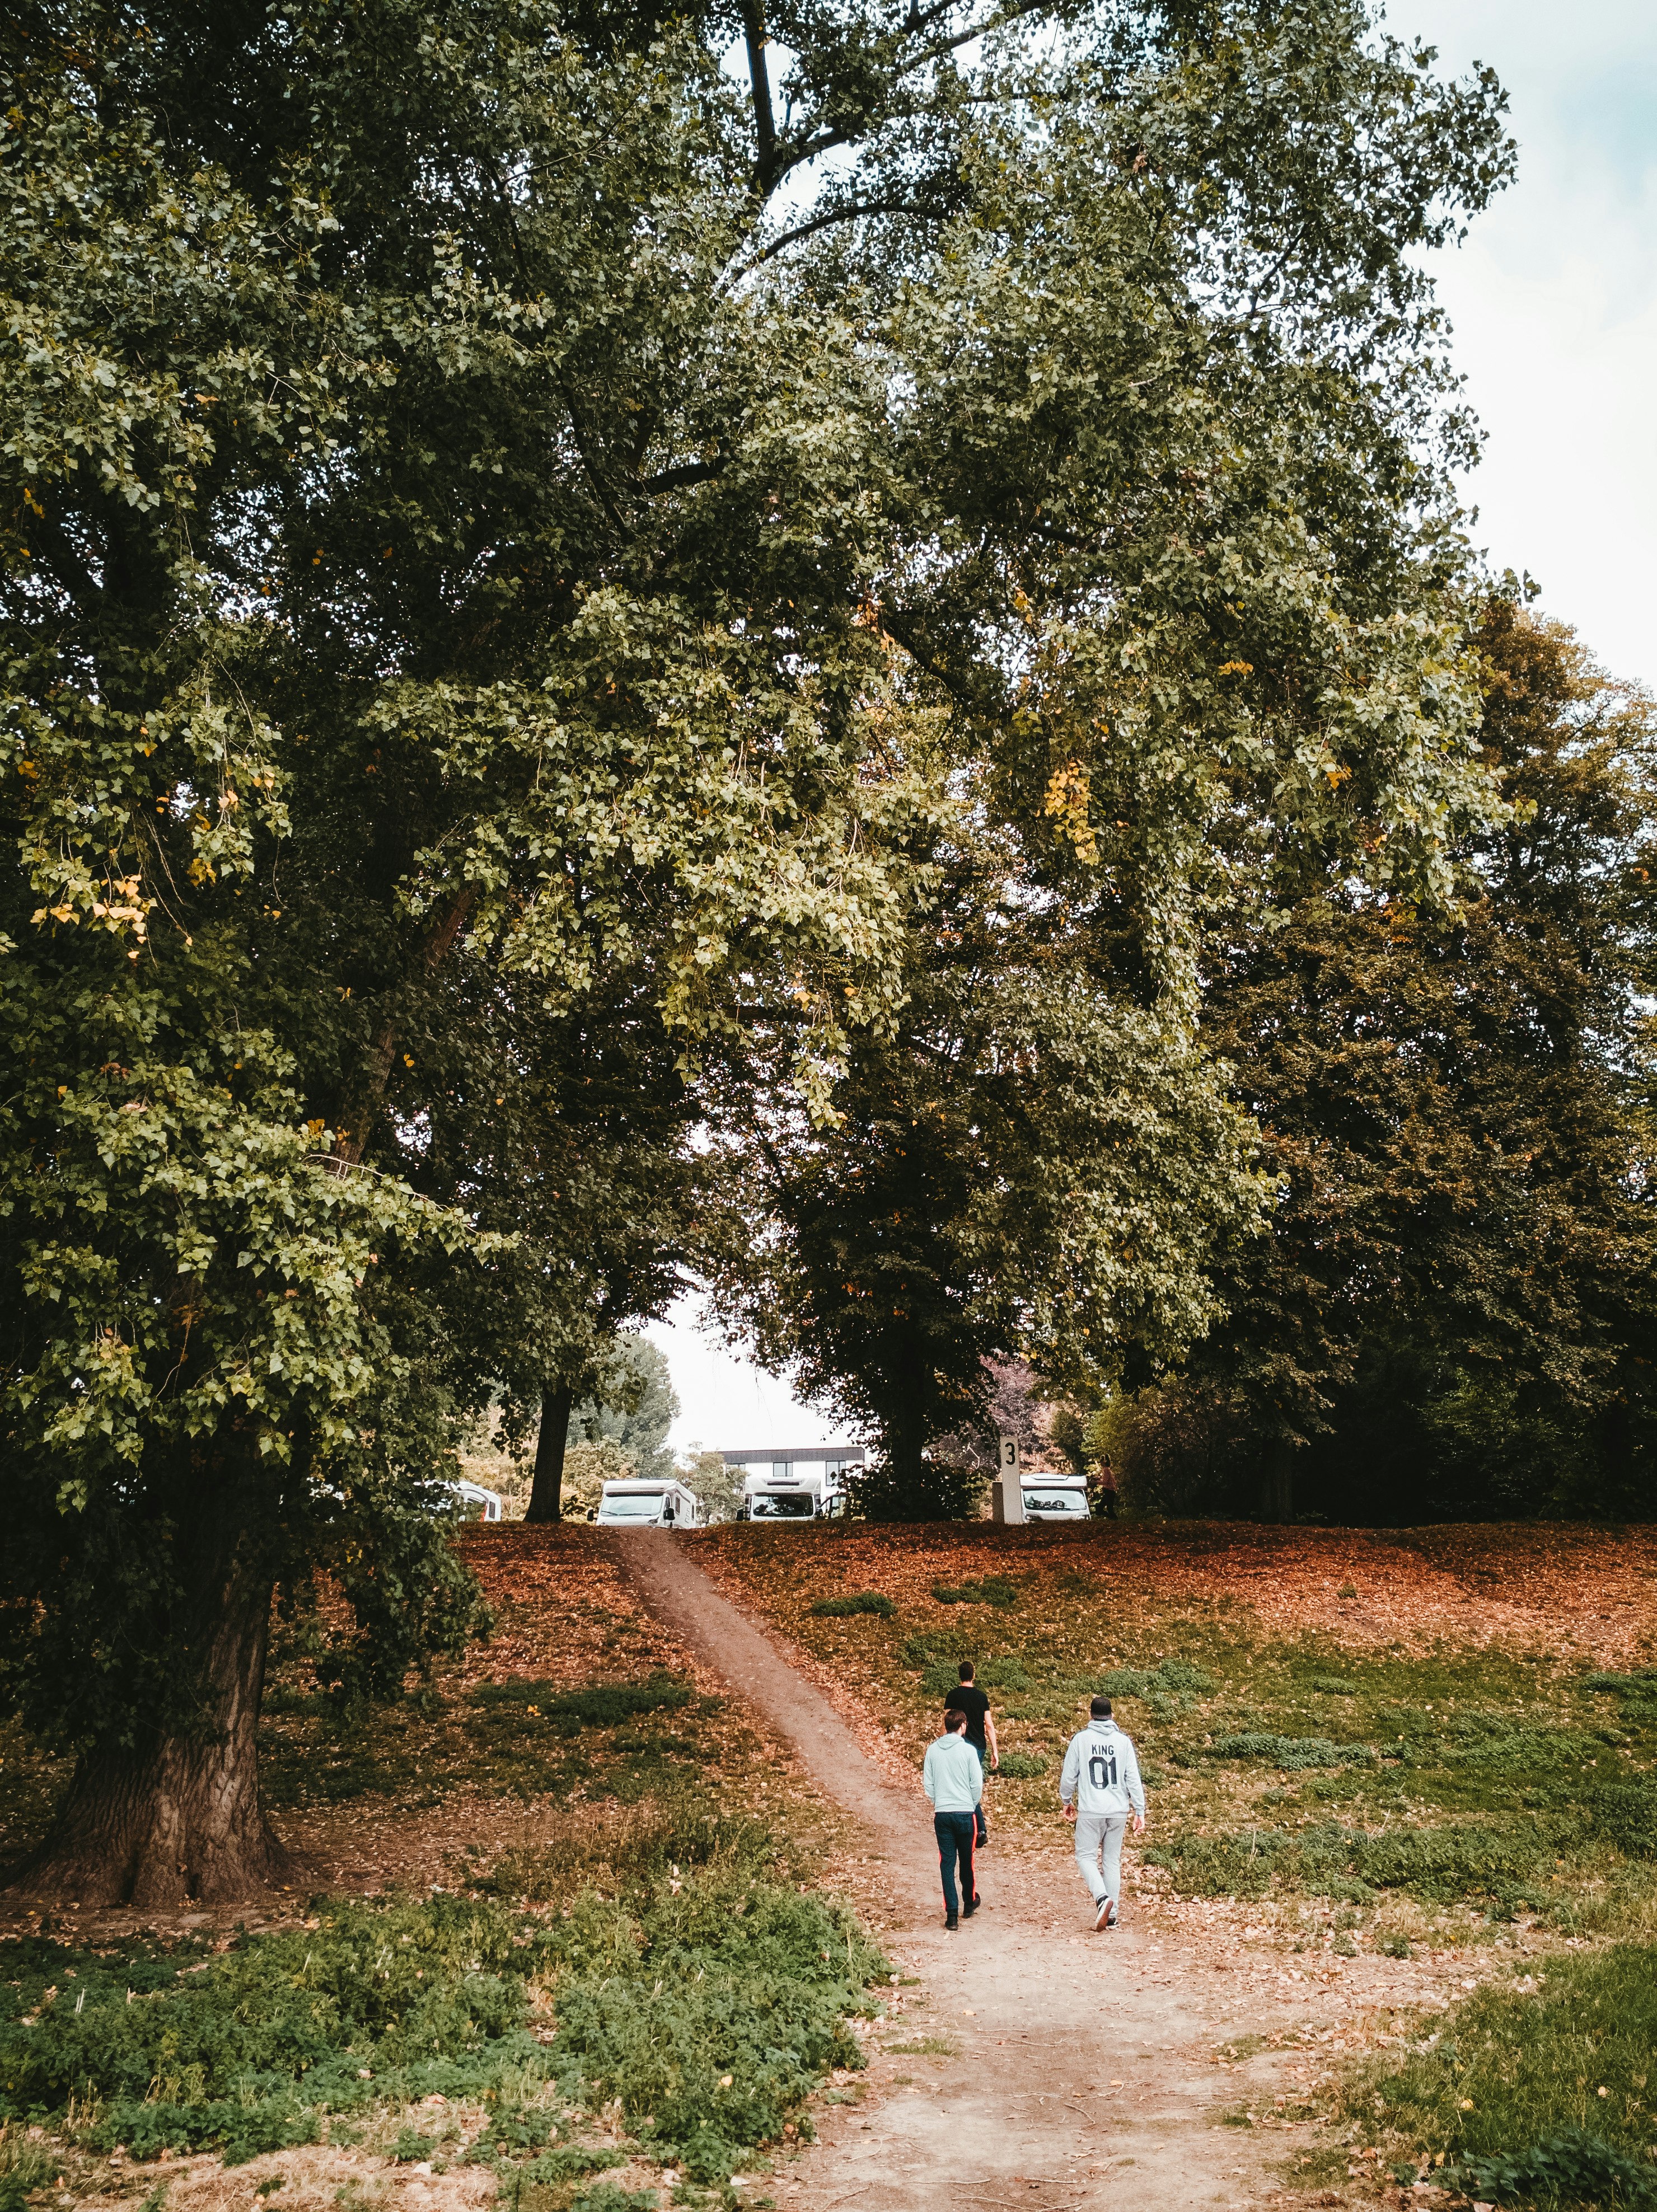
(765, 120)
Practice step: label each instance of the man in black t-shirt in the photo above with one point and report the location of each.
(967, 1697)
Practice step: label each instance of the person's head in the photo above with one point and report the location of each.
(1100, 1709)
(964, 1670)
(955, 1720)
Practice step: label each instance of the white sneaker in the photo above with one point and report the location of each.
(1106, 1916)
(1110, 1923)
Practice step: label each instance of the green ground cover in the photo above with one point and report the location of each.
(1290, 1767)
(1538, 2093)
(698, 2000)
(1381, 1799)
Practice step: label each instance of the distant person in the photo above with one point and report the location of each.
(1105, 1491)
(953, 1780)
(1098, 1789)
(967, 1697)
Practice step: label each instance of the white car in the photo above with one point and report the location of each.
(647, 1505)
(1054, 1497)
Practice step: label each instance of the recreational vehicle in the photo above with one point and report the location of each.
(794, 1486)
(647, 1505)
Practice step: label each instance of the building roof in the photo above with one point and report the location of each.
(791, 1452)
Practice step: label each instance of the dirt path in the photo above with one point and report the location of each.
(1084, 2068)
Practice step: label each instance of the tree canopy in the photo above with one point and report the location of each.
(534, 566)
(1451, 1315)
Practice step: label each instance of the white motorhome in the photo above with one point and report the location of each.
(480, 1505)
(647, 1505)
(794, 1486)
(1053, 1497)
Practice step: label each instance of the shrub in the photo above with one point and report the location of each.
(1022, 1765)
(841, 1608)
(411, 2145)
(942, 1491)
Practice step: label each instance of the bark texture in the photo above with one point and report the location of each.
(546, 1491)
(177, 1817)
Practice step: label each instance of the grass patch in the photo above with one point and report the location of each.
(1022, 1765)
(701, 1996)
(994, 1589)
(1166, 1675)
(842, 1609)
(24, 2167)
(601, 1705)
(942, 1676)
(1542, 2095)
(927, 2046)
(1440, 1866)
(1290, 1753)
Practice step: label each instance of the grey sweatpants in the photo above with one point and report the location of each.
(1099, 1835)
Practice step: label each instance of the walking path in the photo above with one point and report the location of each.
(1085, 2062)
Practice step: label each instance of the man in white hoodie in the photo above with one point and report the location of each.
(1098, 1789)
(953, 1780)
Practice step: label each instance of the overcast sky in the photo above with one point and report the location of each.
(1553, 300)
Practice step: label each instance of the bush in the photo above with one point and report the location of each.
(1022, 1765)
(841, 1608)
(940, 1491)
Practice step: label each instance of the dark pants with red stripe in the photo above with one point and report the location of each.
(955, 1833)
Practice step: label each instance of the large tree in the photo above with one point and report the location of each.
(1450, 1314)
(502, 514)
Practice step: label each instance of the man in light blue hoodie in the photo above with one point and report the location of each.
(953, 1780)
(1098, 1789)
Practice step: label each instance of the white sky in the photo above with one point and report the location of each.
(1553, 300)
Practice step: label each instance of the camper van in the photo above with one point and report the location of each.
(795, 1486)
(1053, 1497)
(647, 1505)
(476, 1502)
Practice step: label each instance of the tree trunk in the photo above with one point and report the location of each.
(546, 1492)
(1278, 1483)
(176, 1816)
